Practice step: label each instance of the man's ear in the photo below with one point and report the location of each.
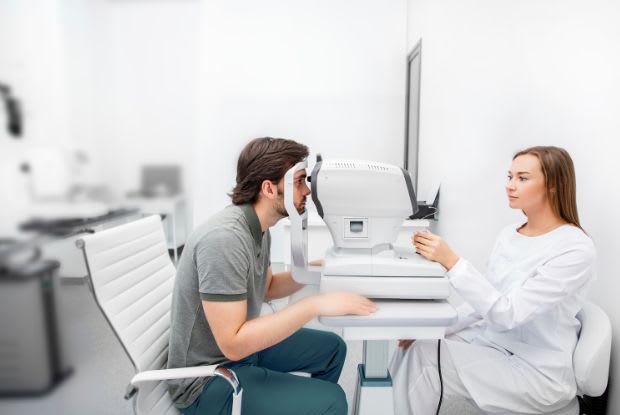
(268, 189)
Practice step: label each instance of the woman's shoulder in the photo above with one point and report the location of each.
(571, 236)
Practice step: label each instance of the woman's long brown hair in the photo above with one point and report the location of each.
(560, 182)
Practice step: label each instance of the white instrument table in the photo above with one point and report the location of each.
(397, 319)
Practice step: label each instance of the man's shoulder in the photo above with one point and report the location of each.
(226, 226)
(231, 215)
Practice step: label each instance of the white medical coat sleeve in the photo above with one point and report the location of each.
(551, 283)
(466, 317)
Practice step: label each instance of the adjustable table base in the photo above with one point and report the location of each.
(394, 320)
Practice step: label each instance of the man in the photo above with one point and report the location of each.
(223, 277)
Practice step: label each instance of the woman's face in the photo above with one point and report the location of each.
(526, 184)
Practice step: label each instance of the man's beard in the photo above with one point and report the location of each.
(281, 209)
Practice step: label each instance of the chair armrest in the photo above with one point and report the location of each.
(177, 373)
(189, 372)
(192, 372)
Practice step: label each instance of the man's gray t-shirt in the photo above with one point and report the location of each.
(226, 259)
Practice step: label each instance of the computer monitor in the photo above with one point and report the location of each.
(161, 180)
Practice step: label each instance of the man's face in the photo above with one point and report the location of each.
(300, 192)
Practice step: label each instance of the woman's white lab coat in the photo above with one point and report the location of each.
(517, 328)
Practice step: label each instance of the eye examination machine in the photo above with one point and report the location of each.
(364, 205)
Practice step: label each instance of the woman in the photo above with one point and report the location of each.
(511, 350)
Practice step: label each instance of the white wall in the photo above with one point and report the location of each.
(116, 79)
(330, 74)
(132, 71)
(32, 64)
(498, 76)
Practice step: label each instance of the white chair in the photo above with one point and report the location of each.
(590, 362)
(132, 278)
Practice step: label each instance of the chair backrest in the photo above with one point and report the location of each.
(593, 351)
(132, 278)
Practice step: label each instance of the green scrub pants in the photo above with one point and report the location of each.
(269, 390)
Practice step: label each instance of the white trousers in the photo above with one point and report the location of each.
(416, 378)
(496, 382)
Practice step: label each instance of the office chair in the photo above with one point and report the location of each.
(132, 278)
(590, 362)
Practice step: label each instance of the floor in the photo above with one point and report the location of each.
(101, 370)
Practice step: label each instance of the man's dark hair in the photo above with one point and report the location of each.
(262, 159)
